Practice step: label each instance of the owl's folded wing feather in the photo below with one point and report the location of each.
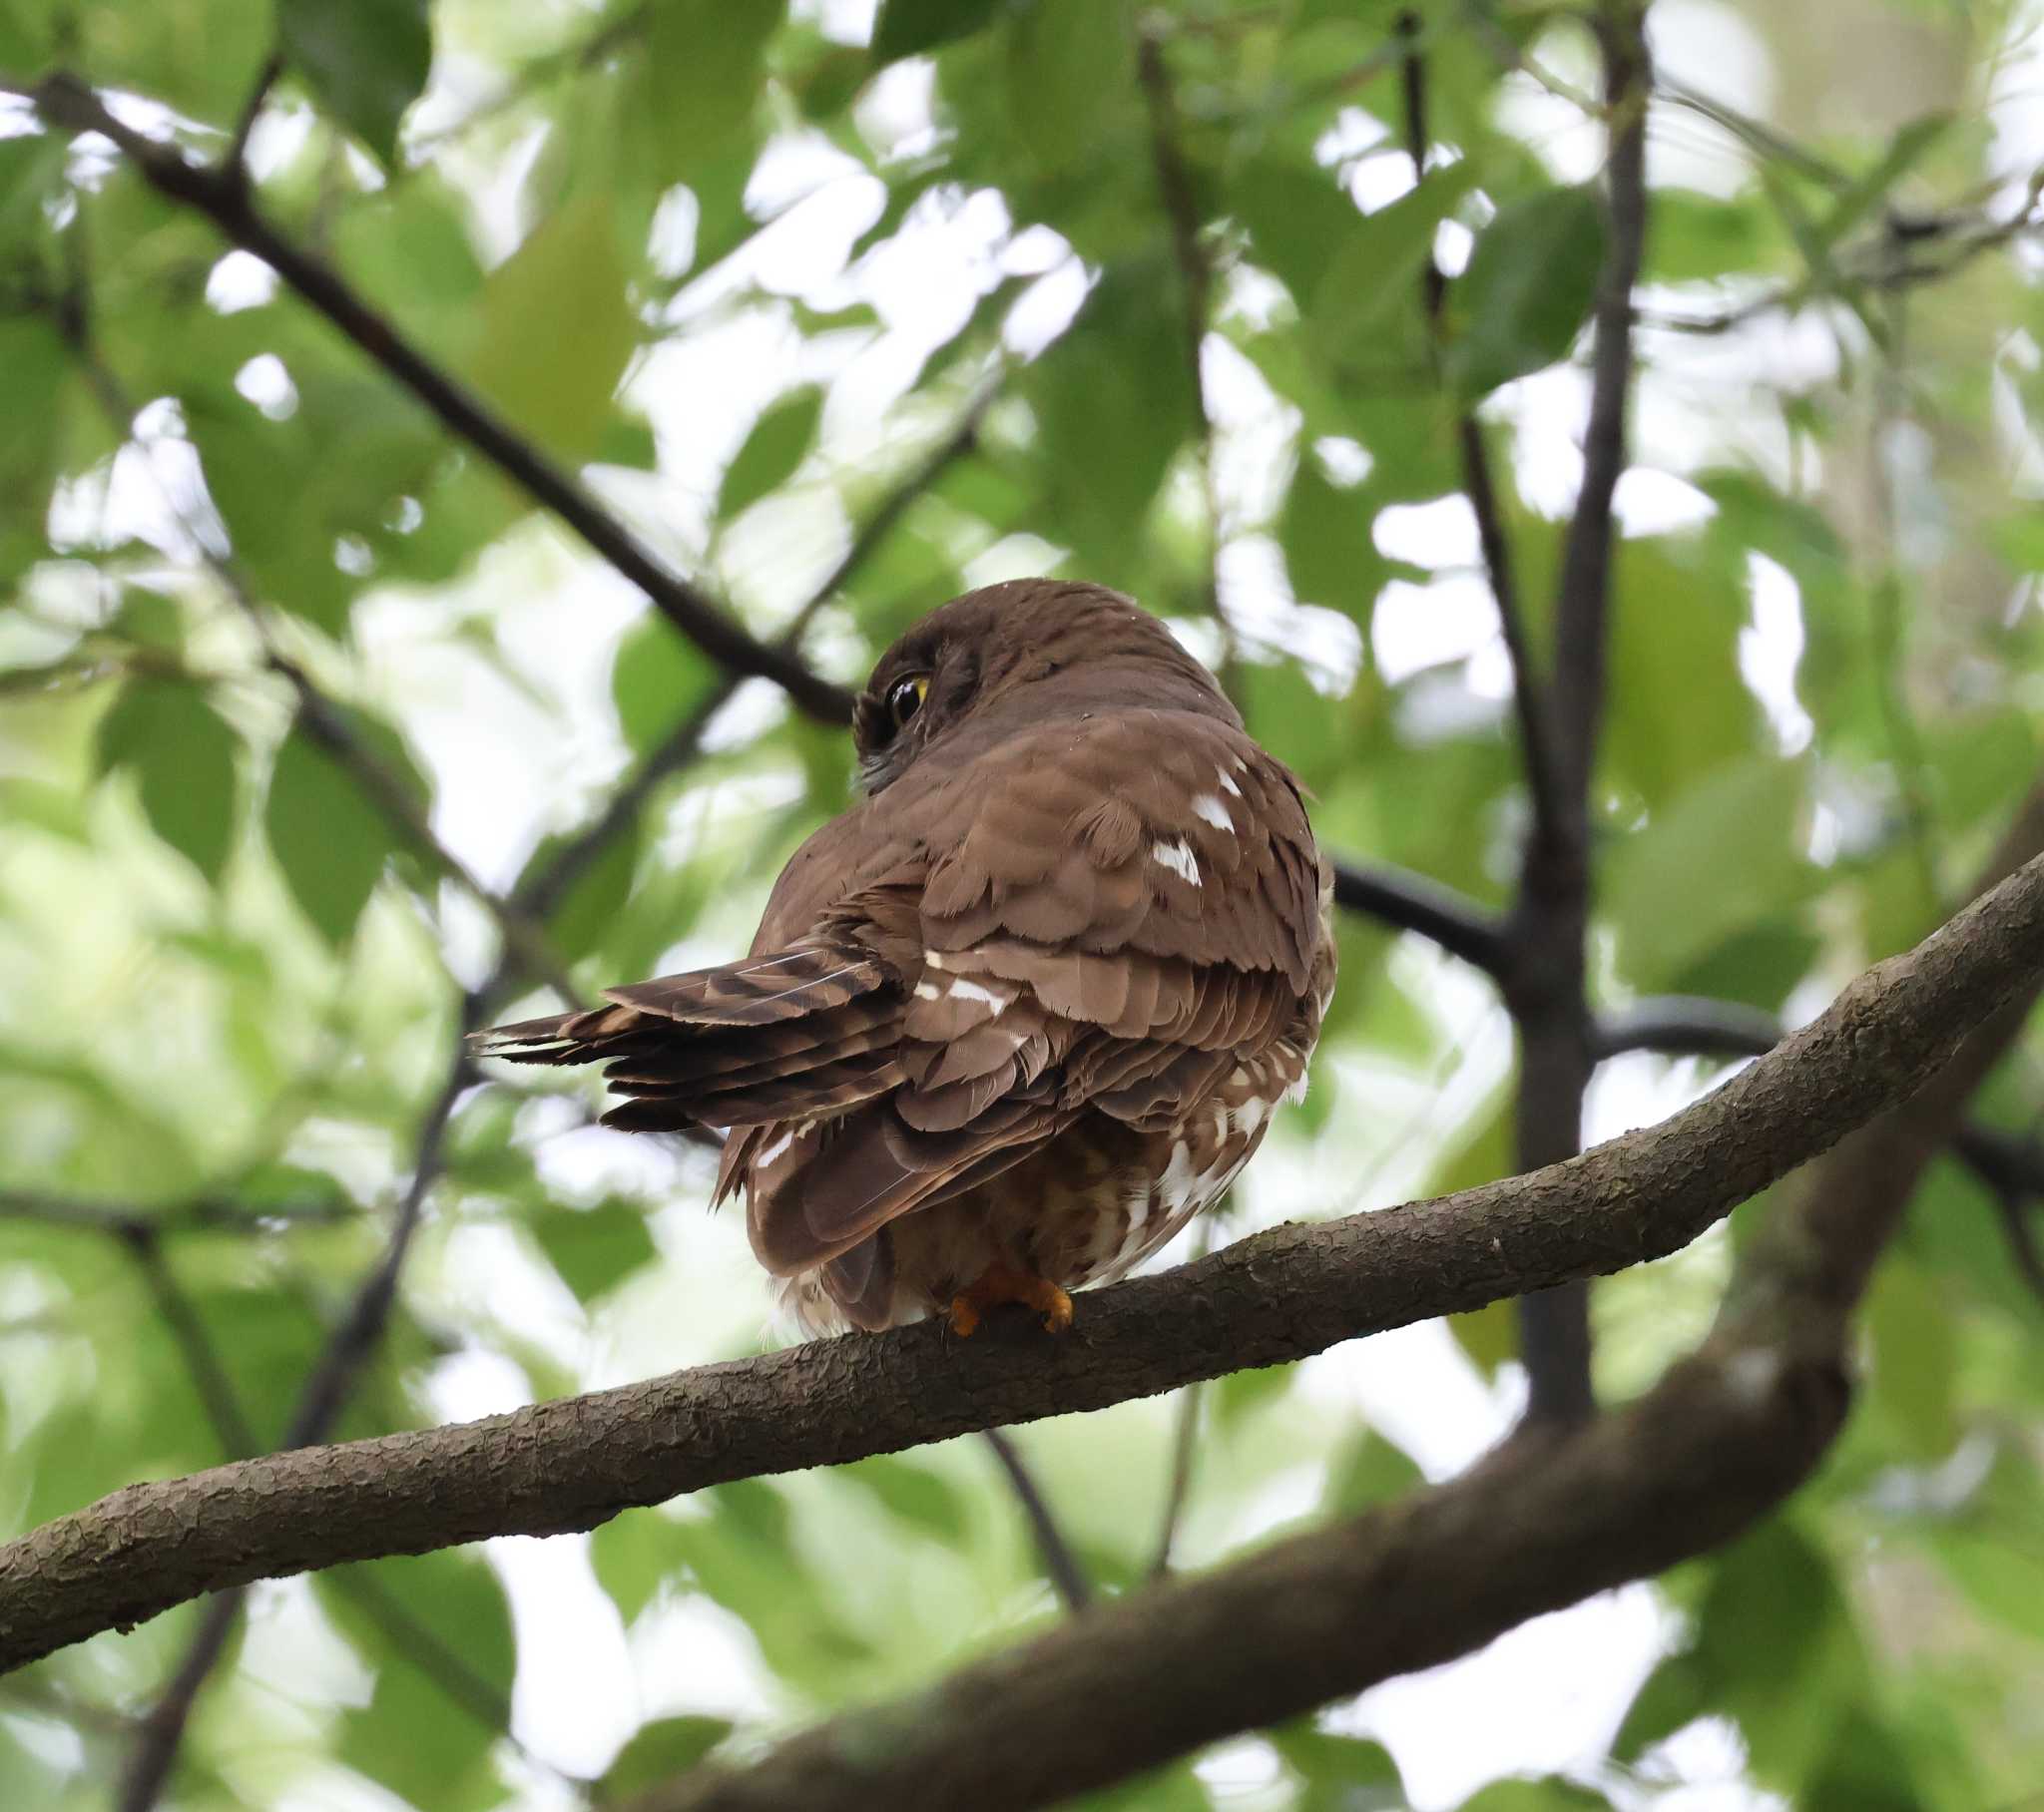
(1111, 912)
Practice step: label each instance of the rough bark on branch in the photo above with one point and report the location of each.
(1276, 1296)
(1550, 1517)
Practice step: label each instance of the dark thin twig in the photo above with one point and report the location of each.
(326, 1390)
(1196, 278)
(1686, 1026)
(440, 1660)
(1412, 902)
(1528, 698)
(1059, 1562)
(234, 165)
(1184, 1443)
(71, 103)
(137, 1219)
(201, 1358)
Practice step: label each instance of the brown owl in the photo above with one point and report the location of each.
(1016, 1016)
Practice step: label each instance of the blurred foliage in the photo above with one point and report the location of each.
(745, 268)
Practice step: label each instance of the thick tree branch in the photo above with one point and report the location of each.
(1546, 1522)
(222, 199)
(1276, 1296)
(1547, 1519)
(1545, 985)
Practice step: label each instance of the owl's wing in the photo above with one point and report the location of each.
(1116, 913)
(1112, 912)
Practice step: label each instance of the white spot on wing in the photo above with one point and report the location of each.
(934, 959)
(962, 990)
(1228, 782)
(776, 1149)
(1179, 858)
(926, 991)
(1214, 812)
(1250, 1114)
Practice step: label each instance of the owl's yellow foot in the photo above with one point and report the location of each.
(998, 1284)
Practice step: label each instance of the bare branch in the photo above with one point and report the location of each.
(1184, 1443)
(1276, 1296)
(1550, 920)
(234, 165)
(1550, 1517)
(1060, 1563)
(326, 1391)
(141, 1219)
(201, 1358)
(1528, 698)
(1196, 281)
(1684, 1025)
(1411, 902)
(70, 103)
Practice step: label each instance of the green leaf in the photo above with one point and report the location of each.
(1375, 269)
(594, 1250)
(658, 677)
(906, 28)
(558, 327)
(1338, 1773)
(1298, 216)
(632, 1557)
(1665, 887)
(1071, 71)
(413, 1737)
(1328, 548)
(1527, 290)
(1777, 1645)
(2002, 1579)
(704, 63)
(1118, 362)
(1367, 1471)
(776, 447)
(366, 59)
(330, 842)
(591, 907)
(912, 1494)
(1916, 1354)
(183, 757)
(1550, 1795)
(1678, 611)
(1696, 235)
(660, 1752)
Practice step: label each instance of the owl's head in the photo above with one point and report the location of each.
(1035, 647)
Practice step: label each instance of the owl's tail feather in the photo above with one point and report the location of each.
(788, 1036)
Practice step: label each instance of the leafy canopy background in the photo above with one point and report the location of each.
(309, 718)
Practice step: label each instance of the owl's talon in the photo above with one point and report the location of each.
(999, 1285)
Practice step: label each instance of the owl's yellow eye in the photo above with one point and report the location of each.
(905, 697)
